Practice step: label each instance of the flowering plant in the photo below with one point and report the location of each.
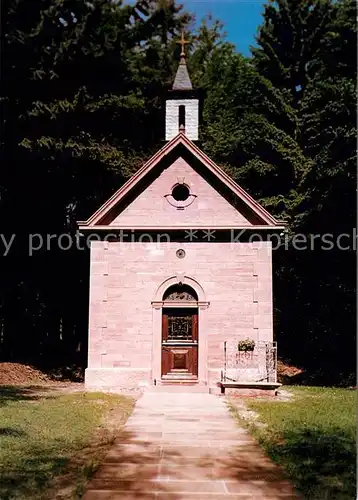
(246, 345)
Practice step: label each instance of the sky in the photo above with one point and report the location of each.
(241, 18)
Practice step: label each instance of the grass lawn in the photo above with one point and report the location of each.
(53, 443)
(313, 437)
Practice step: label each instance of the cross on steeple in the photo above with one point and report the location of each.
(182, 79)
(182, 42)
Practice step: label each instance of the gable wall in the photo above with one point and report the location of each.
(151, 207)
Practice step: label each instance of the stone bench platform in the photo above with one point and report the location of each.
(249, 388)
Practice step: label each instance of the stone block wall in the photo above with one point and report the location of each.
(124, 341)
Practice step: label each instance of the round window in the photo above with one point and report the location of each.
(180, 192)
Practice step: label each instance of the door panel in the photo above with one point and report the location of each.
(180, 343)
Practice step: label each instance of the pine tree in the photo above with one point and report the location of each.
(289, 43)
(308, 50)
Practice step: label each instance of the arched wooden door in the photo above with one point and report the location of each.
(180, 334)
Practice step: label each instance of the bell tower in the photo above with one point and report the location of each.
(182, 105)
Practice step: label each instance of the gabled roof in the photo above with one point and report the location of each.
(94, 222)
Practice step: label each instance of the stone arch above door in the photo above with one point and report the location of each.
(176, 280)
(180, 292)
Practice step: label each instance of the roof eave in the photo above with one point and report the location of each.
(99, 227)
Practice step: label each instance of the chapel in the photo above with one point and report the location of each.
(181, 272)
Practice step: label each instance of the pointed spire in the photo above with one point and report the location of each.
(182, 78)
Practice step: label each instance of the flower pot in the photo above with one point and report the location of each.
(246, 346)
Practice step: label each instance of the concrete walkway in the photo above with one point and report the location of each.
(186, 446)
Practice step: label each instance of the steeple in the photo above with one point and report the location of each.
(182, 78)
(182, 107)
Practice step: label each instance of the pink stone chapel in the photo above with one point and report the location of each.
(180, 292)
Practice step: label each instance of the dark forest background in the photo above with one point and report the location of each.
(82, 87)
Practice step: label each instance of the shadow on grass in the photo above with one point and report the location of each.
(322, 465)
(8, 431)
(10, 393)
(33, 476)
(318, 378)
